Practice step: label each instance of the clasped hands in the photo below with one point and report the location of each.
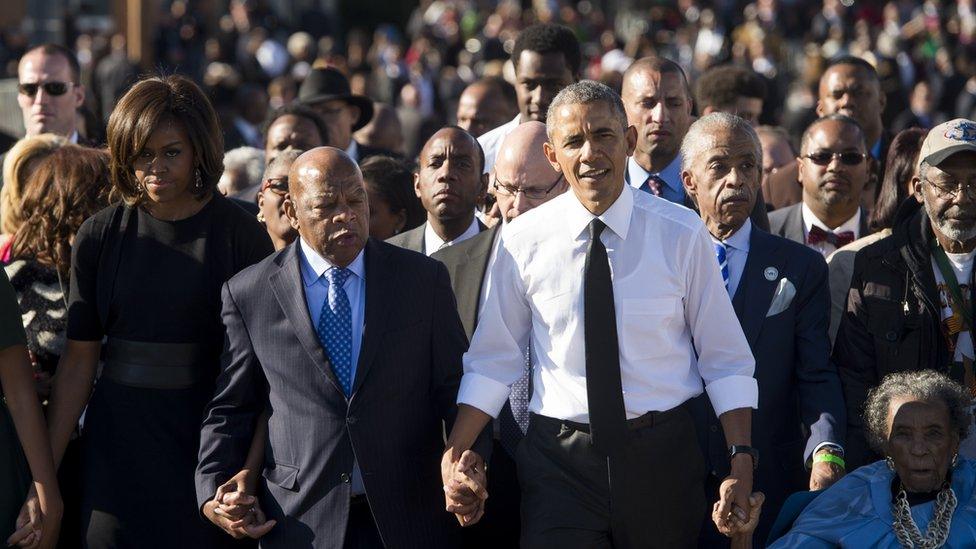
(736, 513)
(465, 485)
(235, 510)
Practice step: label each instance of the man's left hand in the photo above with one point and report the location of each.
(824, 474)
(733, 508)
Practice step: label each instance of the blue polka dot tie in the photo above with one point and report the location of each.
(335, 327)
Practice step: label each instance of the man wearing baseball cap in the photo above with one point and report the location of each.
(910, 305)
(326, 90)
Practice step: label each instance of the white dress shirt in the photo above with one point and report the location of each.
(433, 241)
(491, 141)
(826, 248)
(668, 293)
(736, 254)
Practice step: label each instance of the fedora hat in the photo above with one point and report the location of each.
(327, 84)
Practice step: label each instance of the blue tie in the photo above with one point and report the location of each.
(723, 263)
(335, 327)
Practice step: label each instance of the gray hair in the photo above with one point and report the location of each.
(583, 93)
(247, 160)
(287, 157)
(700, 136)
(925, 385)
(923, 168)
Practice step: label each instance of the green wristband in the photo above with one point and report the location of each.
(830, 458)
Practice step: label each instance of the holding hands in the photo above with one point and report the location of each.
(236, 511)
(465, 481)
(38, 522)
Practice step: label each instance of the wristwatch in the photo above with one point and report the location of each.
(743, 449)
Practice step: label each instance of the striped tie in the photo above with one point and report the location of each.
(723, 263)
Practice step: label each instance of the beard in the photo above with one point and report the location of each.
(956, 231)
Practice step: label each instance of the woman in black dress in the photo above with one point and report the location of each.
(146, 276)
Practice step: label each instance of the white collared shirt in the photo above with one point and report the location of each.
(491, 140)
(736, 254)
(826, 248)
(433, 241)
(74, 137)
(668, 293)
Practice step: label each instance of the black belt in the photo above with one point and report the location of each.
(650, 419)
(156, 365)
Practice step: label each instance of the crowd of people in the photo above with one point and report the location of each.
(497, 287)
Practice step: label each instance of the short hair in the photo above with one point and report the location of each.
(299, 110)
(139, 113)
(288, 156)
(63, 189)
(248, 159)
(697, 140)
(15, 163)
(924, 385)
(777, 131)
(843, 118)
(719, 87)
(660, 65)
(57, 49)
(392, 179)
(549, 38)
(899, 168)
(855, 62)
(585, 92)
(505, 90)
(477, 144)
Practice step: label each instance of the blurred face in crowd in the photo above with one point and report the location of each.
(921, 442)
(339, 117)
(659, 107)
(523, 178)
(48, 95)
(291, 132)
(923, 102)
(383, 131)
(449, 181)
(328, 206)
(776, 154)
(482, 108)
(748, 108)
(589, 145)
(271, 202)
(538, 78)
(850, 90)
(384, 221)
(165, 167)
(952, 211)
(724, 181)
(833, 167)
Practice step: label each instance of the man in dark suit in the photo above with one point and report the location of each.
(522, 179)
(359, 378)
(833, 168)
(327, 91)
(450, 184)
(780, 296)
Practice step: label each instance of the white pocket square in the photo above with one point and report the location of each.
(785, 291)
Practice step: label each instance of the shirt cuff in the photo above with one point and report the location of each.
(831, 445)
(483, 392)
(733, 392)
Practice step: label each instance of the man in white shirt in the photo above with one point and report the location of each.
(833, 168)
(546, 58)
(622, 302)
(449, 183)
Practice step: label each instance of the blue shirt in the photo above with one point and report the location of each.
(316, 285)
(673, 190)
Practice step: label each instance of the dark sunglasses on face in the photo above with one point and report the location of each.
(277, 185)
(50, 88)
(823, 158)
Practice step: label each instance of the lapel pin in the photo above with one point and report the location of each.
(771, 273)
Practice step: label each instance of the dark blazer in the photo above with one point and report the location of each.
(467, 263)
(788, 223)
(405, 390)
(799, 388)
(414, 239)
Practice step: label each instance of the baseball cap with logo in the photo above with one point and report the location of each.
(947, 139)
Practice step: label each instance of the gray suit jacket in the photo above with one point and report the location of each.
(467, 263)
(411, 240)
(788, 223)
(404, 392)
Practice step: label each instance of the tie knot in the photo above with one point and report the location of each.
(596, 228)
(337, 276)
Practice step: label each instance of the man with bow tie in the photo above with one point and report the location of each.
(833, 169)
(780, 296)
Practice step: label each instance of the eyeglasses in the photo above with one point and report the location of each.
(822, 158)
(277, 185)
(532, 194)
(50, 88)
(952, 191)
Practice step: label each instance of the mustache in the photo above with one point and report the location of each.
(734, 195)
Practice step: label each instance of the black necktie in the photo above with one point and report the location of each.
(604, 394)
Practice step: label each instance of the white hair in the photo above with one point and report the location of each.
(701, 136)
(248, 161)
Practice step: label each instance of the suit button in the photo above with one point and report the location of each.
(344, 477)
(351, 420)
(714, 428)
(891, 336)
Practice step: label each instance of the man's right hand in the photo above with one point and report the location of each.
(464, 486)
(236, 512)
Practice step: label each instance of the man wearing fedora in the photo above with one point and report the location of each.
(327, 92)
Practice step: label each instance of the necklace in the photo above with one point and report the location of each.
(936, 534)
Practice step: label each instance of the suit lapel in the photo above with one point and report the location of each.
(863, 229)
(288, 288)
(469, 276)
(755, 292)
(794, 225)
(380, 293)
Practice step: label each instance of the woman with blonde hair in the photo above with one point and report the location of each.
(16, 165)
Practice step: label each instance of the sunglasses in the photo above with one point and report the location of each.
(278, 185)
(50, 88)
(822, 158)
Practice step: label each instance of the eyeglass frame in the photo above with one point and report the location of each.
(951, 194)
(514, 193)
(44, 85)
(268, 185)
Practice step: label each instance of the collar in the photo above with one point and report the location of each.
(74, 137)
(810, 219)
(739, 239)
(353, 150)
(617, 216)
(314, 265)
(671, 174)
(433, 241)
(876, 150)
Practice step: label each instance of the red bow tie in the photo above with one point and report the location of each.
(839, 240)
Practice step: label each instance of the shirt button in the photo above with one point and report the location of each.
(344, 477)
(714, 428)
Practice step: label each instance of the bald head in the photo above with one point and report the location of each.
(317, 167)
(522, 174)
(486, 104)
